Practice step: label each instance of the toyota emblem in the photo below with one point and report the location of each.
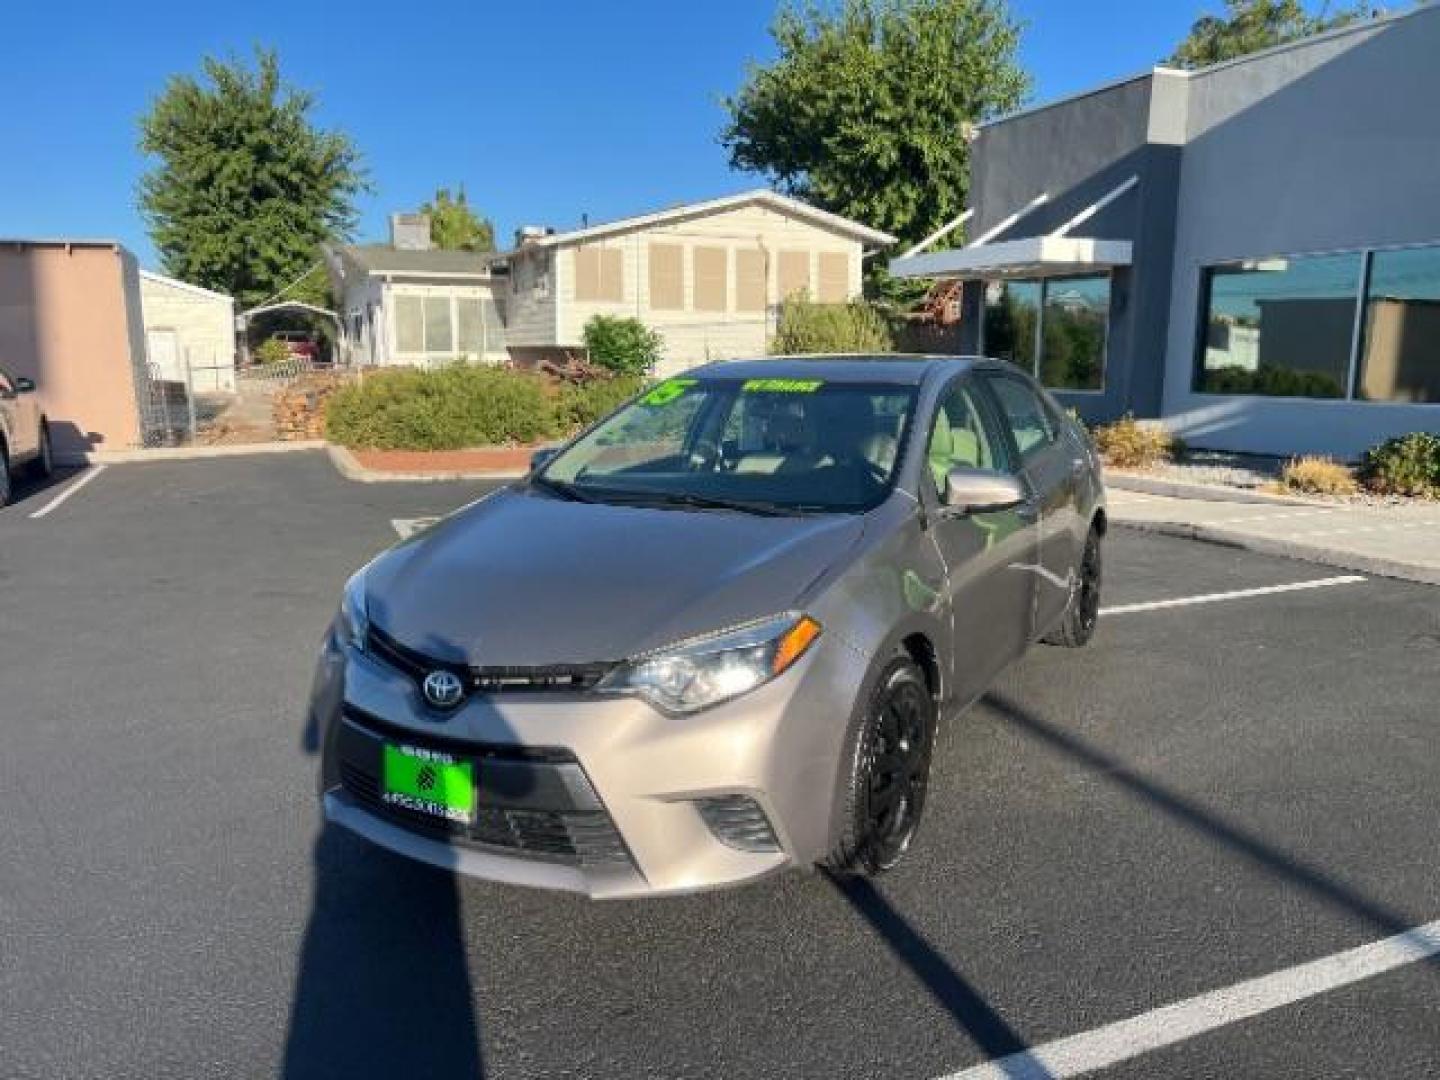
(443, 689)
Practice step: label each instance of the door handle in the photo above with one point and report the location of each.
(1077, 468)
(1028, 511)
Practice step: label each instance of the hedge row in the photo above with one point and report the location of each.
(461, 406)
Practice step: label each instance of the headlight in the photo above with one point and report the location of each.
(715, 668)
(354, 619)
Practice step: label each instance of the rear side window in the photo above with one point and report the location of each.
(1025, 414)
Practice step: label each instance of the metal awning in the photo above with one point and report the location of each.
(1033, 257)
(1052, 255)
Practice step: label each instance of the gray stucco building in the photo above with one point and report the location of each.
(1250, 251)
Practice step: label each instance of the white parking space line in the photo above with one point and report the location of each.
(1076, 1055)
(1237, 594)
(75, 485)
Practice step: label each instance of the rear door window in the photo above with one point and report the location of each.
(1025, 415)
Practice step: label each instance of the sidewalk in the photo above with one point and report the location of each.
(1390, 541)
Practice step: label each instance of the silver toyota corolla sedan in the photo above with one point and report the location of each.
(712, 636)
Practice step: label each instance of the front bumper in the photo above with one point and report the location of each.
(591, 793)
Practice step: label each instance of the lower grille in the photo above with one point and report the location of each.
(575, 839)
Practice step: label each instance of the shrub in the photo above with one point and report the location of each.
(1271, 382)
(808, 327)
(580, 405)
(447, 409)
(624, 346)
(1130, 444)
(1313, 475)
(1404, 465)
(272, 351)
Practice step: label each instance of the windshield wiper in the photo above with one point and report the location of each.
(560, 488)
(707, 502)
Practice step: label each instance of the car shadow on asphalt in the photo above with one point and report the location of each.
(950, 989)
(30, 489)
(382, 987)
(1192, 815)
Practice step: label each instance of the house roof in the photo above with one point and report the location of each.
(384, 260)
(184, 286)
(762, 196)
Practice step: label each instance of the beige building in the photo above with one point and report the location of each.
(188, 331)
(709, 276)
(70, 318)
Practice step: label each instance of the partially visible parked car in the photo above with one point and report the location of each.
(301, 343)
(24, 433)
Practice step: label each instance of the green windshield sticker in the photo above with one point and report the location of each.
(667, 391)
(782, 386)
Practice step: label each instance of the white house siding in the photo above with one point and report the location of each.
(363, 308)
(530, 307)
(695, 337)
(203, 327)
(494, 350)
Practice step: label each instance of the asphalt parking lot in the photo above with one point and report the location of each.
(1211, 793)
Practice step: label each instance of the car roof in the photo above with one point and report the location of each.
(891, 368)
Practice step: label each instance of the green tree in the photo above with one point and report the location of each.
(1251, 25)
(246, 187)
(455, 227)
(866, 110)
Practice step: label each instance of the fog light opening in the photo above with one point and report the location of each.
(738, 822)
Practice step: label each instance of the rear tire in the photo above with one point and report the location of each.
(1077, 625)
(881, 795)
(6, 489)
(43, 467)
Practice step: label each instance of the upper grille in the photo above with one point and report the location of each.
(486, 680)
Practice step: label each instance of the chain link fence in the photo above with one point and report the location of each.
(199, 400)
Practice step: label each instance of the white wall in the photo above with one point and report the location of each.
(204, 328)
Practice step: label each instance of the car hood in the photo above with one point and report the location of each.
(522, 578)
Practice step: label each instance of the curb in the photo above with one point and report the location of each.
(346, 464)
(185, 453)
(1189, 489)
(1290, 549)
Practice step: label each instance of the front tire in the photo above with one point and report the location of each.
(1077, 625)
(43, 466)
(887, 756)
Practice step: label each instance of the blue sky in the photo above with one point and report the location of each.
(544, 110)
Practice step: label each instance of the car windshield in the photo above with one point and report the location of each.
(763, 445)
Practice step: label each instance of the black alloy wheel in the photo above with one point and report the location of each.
(884, 793)
(1077, 625)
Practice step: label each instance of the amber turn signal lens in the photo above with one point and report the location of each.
(793, 643)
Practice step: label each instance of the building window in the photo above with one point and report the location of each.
(794, 273)
(1012, 314)
(409, 324)
(1401, 352)
(711, 278)
(750, 290)
(1282, 327)
(667, 277)
(1057, 329)
(599, 274)
(834, 277)
(439, 331)
(1074, 327)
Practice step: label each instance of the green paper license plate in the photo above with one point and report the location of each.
(428, 782)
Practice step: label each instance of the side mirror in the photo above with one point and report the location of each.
(980, 491)
(542, 457)
(24, 386)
